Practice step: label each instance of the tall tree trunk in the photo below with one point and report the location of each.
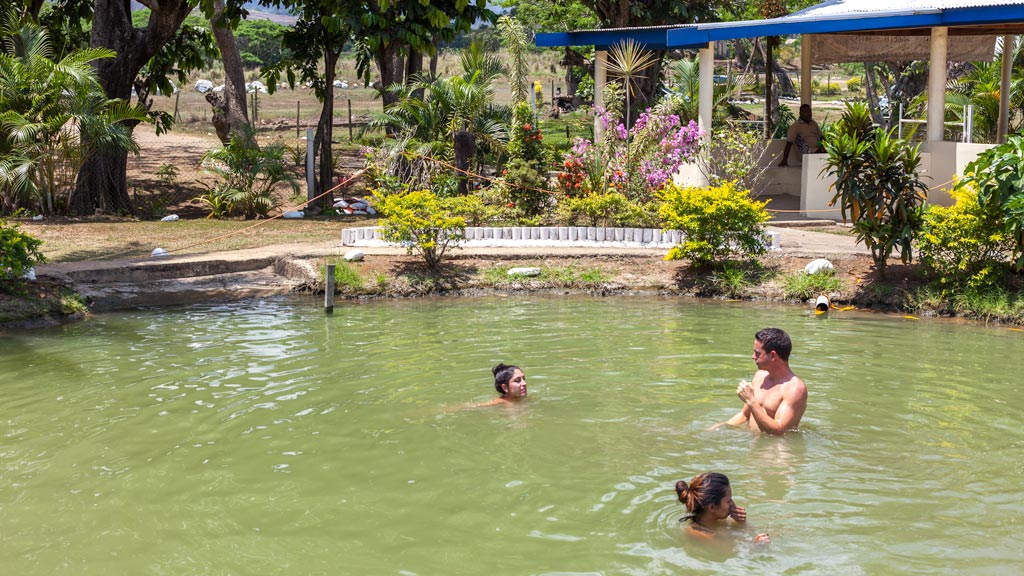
(572, 59)
(233, 118)
(870, 81)
(465, 148)
(325, 135)
(103, 179)
(389, 75)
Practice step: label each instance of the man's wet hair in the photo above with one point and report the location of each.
(502, 374)
(775, 340)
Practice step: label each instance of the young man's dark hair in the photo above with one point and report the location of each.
(775, 340)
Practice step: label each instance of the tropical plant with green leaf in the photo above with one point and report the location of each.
(682, 95)
(998, 176)
(628, 59)
(877, 184)
(247, 177)
(52, 114)
(430, 111)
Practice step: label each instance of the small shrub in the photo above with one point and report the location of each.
(422, 222)
(717, 223)
(805, 286)
(247, 176)
(963, 244)
(168, 174)
(855, 84)
(472, 209)
(19, 252)
(526, 188)
(734, 155)
(611, 209)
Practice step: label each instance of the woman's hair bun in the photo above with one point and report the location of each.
(498, 368)
(681, 488)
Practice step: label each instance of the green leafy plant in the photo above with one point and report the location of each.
(346, 277)
(611, 209)
(168, 174)
(18, 251)
(247, 176)
(735, 155)
(877, 184)
(525, 188)
(805, 286)
(422, 222)
(998, 176)
(964, 244)
(717, 223)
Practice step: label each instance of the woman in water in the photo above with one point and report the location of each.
(708, 501)
(510, 382)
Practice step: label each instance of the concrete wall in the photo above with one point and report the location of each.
(948, 159)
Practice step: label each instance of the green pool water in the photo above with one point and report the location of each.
(266, 438)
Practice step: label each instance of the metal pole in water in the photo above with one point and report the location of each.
(329, 290)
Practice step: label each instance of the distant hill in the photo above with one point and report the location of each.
(256, 12)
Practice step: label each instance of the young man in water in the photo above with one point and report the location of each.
(775, 401)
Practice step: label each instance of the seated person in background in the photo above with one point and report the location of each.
(510, 382)
(805, 133)
(708, 501)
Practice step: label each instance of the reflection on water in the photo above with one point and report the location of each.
(264, 437)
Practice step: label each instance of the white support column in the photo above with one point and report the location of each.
(805, 69)
(937, 84)
(1004, 88)
(600, 79)
(706, 95)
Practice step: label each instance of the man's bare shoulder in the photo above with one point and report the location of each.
(795, 387)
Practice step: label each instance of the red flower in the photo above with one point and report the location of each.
(511, 204)
(527, 127)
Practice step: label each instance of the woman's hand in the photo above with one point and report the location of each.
(738, 513)
(762, 538)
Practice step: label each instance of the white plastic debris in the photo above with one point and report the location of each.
(37, 217)
(340, 204)
(159, 252)
(370, 210)
(30, 274)
(170, 218)
(293, 214)
(818, 266)
(354, 256)
(203, 86)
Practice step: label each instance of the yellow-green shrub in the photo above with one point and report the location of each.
(964, 244)
(611, 209)
(422, 223)
(854, 84)
(717, 223)
(19, 251)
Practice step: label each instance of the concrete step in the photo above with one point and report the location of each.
(187, 290)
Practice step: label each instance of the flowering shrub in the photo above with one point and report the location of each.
(525, 189)
(525, 139)
(19, 251)
(639, 164)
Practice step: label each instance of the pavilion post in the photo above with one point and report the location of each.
(706, 94)
(806, 76)
(1004, 88)
(600, 79)
(937, 84)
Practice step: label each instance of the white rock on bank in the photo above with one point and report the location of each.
(170, 218)
(818, 266)
(159, 252)
(354, 256)
(293, 214)
(524, 271)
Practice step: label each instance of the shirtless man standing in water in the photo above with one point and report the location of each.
(775, 401)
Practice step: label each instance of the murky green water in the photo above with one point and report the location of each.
(264, 438)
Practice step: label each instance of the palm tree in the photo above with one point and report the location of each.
(49, 111)
(448, 109)
(628, 59)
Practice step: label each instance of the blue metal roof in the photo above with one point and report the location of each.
(834, 16)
